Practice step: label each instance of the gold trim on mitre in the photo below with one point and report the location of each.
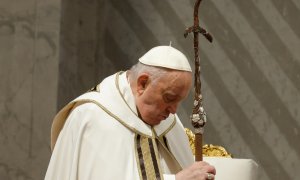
(208, 150)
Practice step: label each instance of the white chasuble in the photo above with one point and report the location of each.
(99, 136)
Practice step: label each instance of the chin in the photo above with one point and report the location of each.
(157, 122)
(154, 123)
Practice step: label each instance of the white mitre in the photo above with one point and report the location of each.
(167, 57)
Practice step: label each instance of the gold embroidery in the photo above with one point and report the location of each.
(147, 158)
(150, 172)
(157, 157)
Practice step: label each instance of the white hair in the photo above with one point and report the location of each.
(153, 71)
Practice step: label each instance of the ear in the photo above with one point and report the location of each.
(142, 83)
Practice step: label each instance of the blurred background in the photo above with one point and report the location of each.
(54, 50)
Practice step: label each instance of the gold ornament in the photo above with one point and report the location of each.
(208, 150)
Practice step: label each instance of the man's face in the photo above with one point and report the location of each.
(156, 100)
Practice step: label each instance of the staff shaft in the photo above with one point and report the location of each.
(199, 116)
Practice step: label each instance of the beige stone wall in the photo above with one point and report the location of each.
(29, 51)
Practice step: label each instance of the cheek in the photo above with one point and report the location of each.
(146, 106)
(155, 102)
(156, 109)
(152, 107)
(150, 101)
(151, 104)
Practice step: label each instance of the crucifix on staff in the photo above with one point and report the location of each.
(198, 117)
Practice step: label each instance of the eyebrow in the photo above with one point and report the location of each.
(172, 97)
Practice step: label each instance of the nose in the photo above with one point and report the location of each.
(173, 108)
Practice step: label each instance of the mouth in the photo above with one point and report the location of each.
(164, 116)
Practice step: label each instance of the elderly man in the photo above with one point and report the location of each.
(127, 127)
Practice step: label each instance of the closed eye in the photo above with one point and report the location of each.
(168, 98)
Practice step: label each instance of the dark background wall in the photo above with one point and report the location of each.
(52, 51)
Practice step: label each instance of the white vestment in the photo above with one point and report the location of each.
(103, 138)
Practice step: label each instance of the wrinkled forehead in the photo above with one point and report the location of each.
(175, 75)
(176, 80)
